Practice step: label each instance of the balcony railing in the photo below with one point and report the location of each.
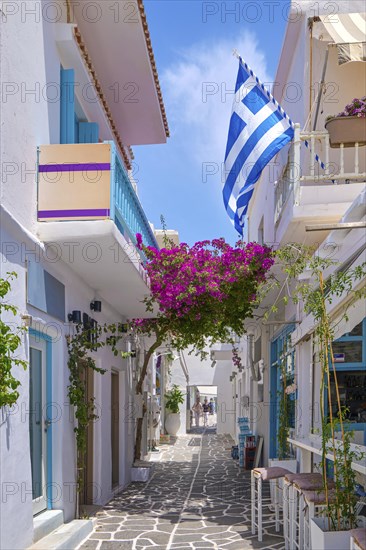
(342, 166)
(89, 182)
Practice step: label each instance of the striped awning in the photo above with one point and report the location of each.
(348, 32)
(351, 52)
(346, 28)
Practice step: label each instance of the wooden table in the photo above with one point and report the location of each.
(311, 447)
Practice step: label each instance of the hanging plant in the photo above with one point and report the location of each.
(81, 346)
(9, 344)
(236, 359)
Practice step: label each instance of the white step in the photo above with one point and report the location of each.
(66, 537)
(46, 522)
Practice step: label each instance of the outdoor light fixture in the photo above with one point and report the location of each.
(133, 353)
(123, 327)
(213, 364)
(96, 305)
(75, 317)
(27, 320)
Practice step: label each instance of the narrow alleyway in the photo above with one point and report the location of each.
(196, 498)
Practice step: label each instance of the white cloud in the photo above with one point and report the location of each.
(198, 93)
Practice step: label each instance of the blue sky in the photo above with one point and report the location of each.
(193, 42)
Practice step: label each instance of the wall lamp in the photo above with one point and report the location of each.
(96, 306)
(75, 317)
(27, 319)
(213, 364)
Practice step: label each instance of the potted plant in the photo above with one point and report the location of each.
(349, 126)
(174, 398)
(331, 531)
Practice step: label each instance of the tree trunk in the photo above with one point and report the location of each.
(149, 353)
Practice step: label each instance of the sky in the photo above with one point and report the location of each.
(193, 43)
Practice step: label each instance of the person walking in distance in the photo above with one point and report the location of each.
(206, 410)
(197, 409)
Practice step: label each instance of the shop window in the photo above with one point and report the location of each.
(282, 352)
(350, 361)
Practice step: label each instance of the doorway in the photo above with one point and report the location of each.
(115, 428)
(206, 418)
(38, 422)
(86, 494)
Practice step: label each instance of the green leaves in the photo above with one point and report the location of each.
(316, 293)
(174, 398)
(9, 343)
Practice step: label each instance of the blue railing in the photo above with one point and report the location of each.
(126, 210)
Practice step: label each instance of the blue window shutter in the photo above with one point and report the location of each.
(67, 118)
(88, 132)
(76, 129)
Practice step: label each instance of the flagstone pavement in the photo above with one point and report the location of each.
(197, 497)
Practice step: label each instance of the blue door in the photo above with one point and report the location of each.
(38, 424)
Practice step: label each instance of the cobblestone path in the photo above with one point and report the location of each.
(196, 498)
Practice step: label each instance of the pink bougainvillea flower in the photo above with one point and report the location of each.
(139, 240)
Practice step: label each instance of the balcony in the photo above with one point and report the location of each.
(89, 212)
(309, 194)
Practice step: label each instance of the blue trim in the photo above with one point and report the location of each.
(88, 132)
(67, 106)
(277, 345)
(272, 409)
(49, 482)
(125, 205)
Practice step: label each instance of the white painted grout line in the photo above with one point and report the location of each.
(172, 534)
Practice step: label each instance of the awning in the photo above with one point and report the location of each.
(346, 28)
(347, 31)
(355, 315)
(351, 52)
(207, 391)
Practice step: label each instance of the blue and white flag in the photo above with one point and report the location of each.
(259, 128)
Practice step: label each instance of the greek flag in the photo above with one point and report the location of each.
(259, 128)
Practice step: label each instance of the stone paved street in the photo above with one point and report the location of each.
(197, 498)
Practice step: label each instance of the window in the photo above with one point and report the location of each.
(74, 126)
(281, 351)
(350, 360)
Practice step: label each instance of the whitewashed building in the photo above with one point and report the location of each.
(313, 80)
(79, 87)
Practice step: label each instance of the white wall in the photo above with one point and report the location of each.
(30, 108)
(14, 430)
(226, 418)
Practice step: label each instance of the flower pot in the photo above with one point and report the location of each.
(347, 130)
(322, 539)
(140, 474)
(172, 423)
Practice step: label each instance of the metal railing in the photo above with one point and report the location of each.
(303, 168)
(126, 209)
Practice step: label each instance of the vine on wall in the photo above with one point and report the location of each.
(81, 346)
(9, 344)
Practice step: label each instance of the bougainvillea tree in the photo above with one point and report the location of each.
(201, 295)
